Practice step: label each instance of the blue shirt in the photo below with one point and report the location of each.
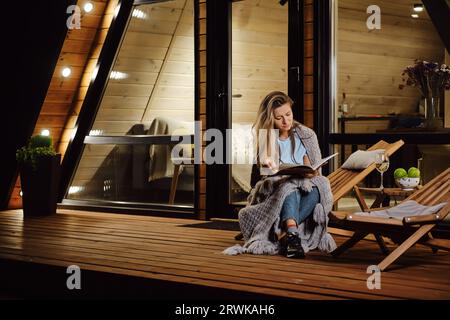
(286, 150)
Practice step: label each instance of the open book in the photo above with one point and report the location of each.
(295, 169)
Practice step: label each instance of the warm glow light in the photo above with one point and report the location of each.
(116, 10)
(94, 73)
(95, 132)
(139, 14)
(45, 132)
(88, 6)
(21, 193)
(418, 7)
(415, 15)
(117, 75)
(66, 72)
(75, 189)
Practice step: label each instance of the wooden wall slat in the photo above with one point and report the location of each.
(370, 62)
(308, 67)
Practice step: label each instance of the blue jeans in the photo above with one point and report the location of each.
(299, 205)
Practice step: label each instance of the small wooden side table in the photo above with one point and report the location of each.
(382, 196)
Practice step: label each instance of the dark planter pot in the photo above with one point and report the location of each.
(40, 187)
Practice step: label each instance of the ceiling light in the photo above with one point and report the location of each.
(75, 189)
(117, 75)
(116, 10)
(88, 6)
(45, 132)
(418, 7)
(95, 132)
(66, 72)
(415, 15)
(139, 14)
(94, 73)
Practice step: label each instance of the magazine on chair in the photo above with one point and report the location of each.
(295, 169)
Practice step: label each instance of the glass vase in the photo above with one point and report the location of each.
(432, 119)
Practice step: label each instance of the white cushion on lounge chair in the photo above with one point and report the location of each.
(361, 159)
(405, 209)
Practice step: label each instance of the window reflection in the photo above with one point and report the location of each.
(368, 72)
(150, 91)
(259, 66)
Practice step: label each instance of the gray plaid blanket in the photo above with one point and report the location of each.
(260, 218)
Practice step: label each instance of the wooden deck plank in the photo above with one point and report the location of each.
(162, 235)
(145, 230)
(202, 235)
(212, 262)
(169, 278)
(199, 272)
(348, 286)
(169, 249)
(163, 239)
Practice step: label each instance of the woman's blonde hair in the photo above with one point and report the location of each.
(263, 135)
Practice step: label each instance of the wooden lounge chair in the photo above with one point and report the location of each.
(342, 181)
(408, 231)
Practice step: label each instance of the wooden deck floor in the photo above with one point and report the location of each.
(168, 253)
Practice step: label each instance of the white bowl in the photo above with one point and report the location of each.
(407, 183)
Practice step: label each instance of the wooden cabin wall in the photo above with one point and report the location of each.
(157, 58)
(308, 67)
(201, 87)
(90, 64)
(65, 95)
(370, 62)
(447, 97)
(259, 55)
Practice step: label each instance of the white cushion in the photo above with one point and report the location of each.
(361, 159)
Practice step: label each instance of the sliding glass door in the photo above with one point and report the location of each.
(261, 51)
(259, 65)
(147, 99)
(371, 95)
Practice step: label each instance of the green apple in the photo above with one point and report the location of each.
(400, 173)
(413, 172)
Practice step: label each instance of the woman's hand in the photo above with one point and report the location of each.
(269, 163)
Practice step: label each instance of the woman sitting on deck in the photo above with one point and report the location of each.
(295, 206)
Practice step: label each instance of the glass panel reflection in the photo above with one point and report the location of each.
(128, 173)
(370, 63)
(259, 66)
(150, 92)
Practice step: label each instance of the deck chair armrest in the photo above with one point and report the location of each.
(338, 215)
(425, 219)
(368, 190)
(376, 209)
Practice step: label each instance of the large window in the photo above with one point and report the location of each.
(368, 62)
(148, 98)
(372, 44)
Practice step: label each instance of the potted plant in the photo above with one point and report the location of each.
(39, 167)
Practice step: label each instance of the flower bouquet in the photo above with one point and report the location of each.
(431, 79)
